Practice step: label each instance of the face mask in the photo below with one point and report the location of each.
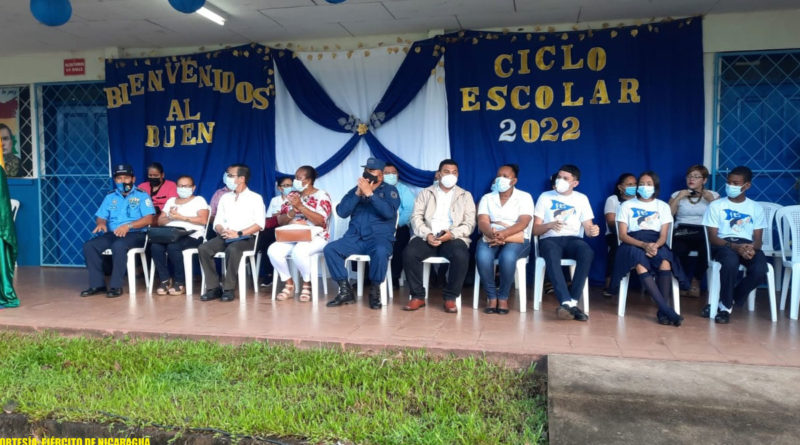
(646, 191)
(733, 191)
(154, 182)
(435, 182)
(184, 192)
(390, 179)
(230, 183)
(502, 184)
(562, 185)
(298, 186)
(630, 191)
(494, 186)
(370, 177)
(124, 187)
(285, 190)
(449, 181)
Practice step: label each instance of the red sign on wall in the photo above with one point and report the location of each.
(74, 67)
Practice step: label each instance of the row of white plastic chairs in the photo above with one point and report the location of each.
(787, 256)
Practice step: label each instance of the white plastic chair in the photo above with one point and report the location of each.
(187, 263)
(520, 282)
(714, 268)
(426, 276)
(623, 283)
(131, 265)
(539, 268)
(789, 220)
(387, 292)
(767, 244)
(247, 255)
(14, 209)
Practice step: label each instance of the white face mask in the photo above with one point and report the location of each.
(733, 191)
(298, 185)
(449, 181)
(503, 184)
(562, 185)
(184, 192)
(230, 182)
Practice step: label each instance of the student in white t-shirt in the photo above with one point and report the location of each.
(504, 219)
(643, 224)
(624, 189)
(688, 207)
(559, 217)
(187, 211)
(735, 227)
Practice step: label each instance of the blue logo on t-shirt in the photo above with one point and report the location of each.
(562, 211)
(737, 220)
(646, 219)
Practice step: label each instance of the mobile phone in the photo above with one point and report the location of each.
(441, 234)
(693, 193)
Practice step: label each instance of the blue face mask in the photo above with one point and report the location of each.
(230, 182)
(630, 191)
(733, 191)
(390, 179)
(646, 191)
(502, 184)
(124, 187)
(285, 190)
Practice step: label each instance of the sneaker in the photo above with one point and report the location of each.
(723, 317)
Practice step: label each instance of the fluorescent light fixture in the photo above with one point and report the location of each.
(211, 15)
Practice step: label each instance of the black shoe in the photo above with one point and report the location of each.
(706, 312)
(500, 310)
(93, 291)
(375, 297)
(211, 294)
(114, 292)
(663, 318)
(723, 317)
(227, 295)
(345, 295)
(491, 308)
(565, 312)
(678, 321)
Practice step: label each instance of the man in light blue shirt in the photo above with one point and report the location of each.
(403, 234)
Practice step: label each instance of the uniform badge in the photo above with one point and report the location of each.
(394, 194)
(148, 202)
(133, 202)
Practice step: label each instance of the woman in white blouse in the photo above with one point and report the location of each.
(688, 207)
(504, 219)
(624, 189)
(189, 212)
(306, 206)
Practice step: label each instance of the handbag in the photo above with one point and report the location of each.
(296, 233)
(518, 237)
(167, 235)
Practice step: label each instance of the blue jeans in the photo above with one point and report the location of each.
(507, 256)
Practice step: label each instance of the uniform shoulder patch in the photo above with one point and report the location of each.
(148, 202)
(394, 194)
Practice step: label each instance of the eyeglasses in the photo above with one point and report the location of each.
(694, 177)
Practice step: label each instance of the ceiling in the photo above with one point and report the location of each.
(155, 24)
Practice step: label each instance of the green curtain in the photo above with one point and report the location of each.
(8, 250)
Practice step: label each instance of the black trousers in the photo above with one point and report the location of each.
(93, 254)
(456, 251)
(233, 254)
(401, 238)
(688, 238)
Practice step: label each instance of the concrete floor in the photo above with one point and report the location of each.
(49, 300)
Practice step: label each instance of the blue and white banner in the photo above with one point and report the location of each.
(196, 114)
(609, 101)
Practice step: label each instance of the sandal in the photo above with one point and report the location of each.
(177, 289)
(305, 293)
(162, 287)
(286, 293)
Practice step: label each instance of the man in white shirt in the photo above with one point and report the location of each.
(559, 216)
(240, 215)
(735, 226)
(442, 220)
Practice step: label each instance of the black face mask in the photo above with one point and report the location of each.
(154, 182)
(370, 177)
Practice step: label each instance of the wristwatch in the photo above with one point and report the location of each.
(240, 233)
(130, 226)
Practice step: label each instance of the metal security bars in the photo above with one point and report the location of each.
(757, 122)
(73, 134)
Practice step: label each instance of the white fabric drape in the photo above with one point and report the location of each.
(355, 84)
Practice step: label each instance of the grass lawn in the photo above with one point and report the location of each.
(258, 389)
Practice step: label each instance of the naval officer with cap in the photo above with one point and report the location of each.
(372, 207)
(121, 222)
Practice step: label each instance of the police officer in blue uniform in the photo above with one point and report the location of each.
(372, 207)
(121, 220)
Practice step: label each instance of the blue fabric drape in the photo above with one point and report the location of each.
(315, 103)
(308, 94)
